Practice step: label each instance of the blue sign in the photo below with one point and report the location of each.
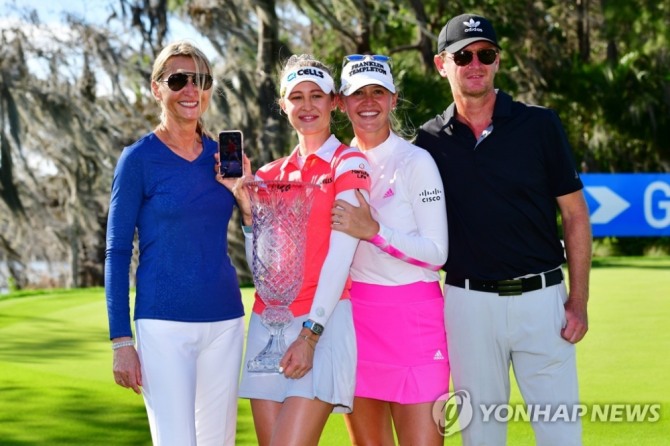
(628, 204)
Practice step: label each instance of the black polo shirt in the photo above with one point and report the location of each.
(501, 193)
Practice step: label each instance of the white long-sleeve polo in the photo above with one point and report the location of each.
(407, 199)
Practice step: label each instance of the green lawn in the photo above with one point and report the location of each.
(56, 386)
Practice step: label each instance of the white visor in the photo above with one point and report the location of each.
(358, 74)
(306, 74)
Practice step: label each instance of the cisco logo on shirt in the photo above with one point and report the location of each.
(428, 196)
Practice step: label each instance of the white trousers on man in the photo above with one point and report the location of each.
(190, 374)
(486, 333)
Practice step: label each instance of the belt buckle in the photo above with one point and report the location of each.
(511, 287)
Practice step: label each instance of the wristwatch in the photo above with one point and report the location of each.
(312, 326)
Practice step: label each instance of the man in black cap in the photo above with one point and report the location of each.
(507, 167)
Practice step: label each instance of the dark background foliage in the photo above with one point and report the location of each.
(603, 65)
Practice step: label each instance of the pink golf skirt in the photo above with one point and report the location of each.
(401, 342)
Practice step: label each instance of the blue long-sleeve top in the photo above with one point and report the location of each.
(181, 214)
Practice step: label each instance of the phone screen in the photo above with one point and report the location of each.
(230, 153)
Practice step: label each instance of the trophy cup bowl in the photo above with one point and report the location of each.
(280, 212)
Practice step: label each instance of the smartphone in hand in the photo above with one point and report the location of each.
(230, 153)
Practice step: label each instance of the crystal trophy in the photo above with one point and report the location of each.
(280, 212)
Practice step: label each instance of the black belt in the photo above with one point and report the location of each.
(513, 287)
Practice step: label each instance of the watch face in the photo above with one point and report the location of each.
(313, 326)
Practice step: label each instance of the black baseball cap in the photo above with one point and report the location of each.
(463, 30)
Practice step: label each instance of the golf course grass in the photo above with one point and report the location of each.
(56, 385)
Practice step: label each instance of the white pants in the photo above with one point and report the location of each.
(486, 333)
(190, 374)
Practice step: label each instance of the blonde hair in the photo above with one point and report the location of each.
(181, 48)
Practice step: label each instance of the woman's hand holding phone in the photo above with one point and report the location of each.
(242, 194)
(236, 186)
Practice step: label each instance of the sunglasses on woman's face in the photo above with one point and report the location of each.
(177, 81)
(464, 57)
(362, 57)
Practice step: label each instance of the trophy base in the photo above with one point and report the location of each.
(267, 361)
(267, 364)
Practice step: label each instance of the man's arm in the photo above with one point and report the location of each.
(577, 234)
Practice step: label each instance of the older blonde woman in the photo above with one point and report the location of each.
(188, 307)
